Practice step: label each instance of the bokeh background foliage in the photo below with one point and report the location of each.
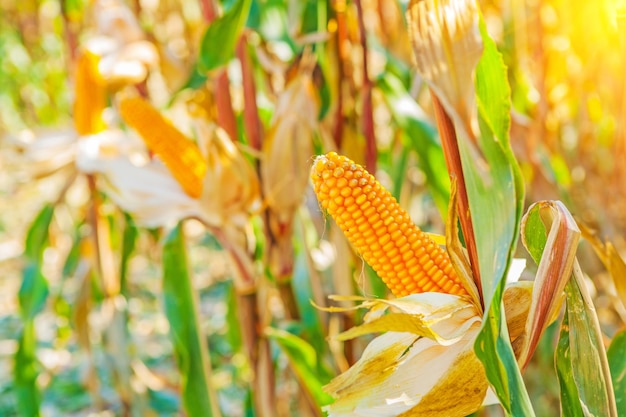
(103, 315)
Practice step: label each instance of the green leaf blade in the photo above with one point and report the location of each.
(303, 359)
(419, 136)
(495, 193)
(587, 354)
(26, 372)
(220, 40)
(617, 363)
(189, 343)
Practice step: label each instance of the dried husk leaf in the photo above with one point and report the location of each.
(231, 188)
(37, 154)
(517, 299)
(115, 20)
(611, 259)
(286, 150)
(149, 192)
(128, 65)
(441, 317)
(447, 47)
(404, 373)
(456, 251)
(289, 145)
(460, 393)
(125, 54)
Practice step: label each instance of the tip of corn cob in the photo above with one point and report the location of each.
(407, 260)
(179, 153)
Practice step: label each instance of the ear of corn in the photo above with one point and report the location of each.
(181, 156)
(406, 259)
(90, 95)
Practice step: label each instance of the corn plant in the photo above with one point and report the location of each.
(184, 259)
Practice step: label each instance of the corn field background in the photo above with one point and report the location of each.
(204, 290)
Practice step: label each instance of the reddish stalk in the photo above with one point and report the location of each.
(208, 10)
(367, 110)
(252, 123)
(342, 56)
(70, 36)
(455, 170)
(225, 114)
(254, 131)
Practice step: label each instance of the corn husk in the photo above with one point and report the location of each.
(37, 154)
(146, 189)
(425, 362)
(409, 373)
(231, 188)
(286, 153)
(288, 147)
(125, 55)
(447, 47)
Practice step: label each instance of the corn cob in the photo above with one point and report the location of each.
(181, 156)
(407, 260)
(90, 95)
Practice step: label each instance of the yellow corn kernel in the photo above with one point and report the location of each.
(90, 95)
(181, 156)
(407, 259)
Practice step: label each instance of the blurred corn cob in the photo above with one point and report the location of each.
(181, 156)
(90, 95)
(406, 259)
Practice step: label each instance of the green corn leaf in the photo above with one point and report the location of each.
(32, 297)
(234, 328)
(570, 402)
(190, 346)
(74, 256)
(129, 240)
(26, 372)
(420, 136)
(617, 363)
(33, 291)
(303, 360)
(496, 199)
(588, 361)
(304, 294)
(37, 235)
(220, 40)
